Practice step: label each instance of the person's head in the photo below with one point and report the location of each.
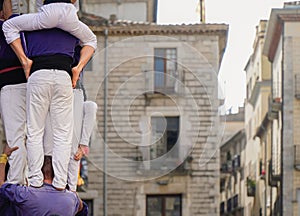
(47, 168)
(1, 9)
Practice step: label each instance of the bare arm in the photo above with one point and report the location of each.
(25, 61)
(85, 55)
(17, 45)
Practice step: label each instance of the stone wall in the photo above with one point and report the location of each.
(129, 104)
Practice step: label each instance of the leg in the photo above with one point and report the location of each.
(13, 113)
(48, 137)
(61, 112)
(38, 100)
(78, 115)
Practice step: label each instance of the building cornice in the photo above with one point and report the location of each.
(129, 28)
(125, 27)
(275, 28)
(257, 90)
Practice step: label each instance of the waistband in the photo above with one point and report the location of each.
(5, 70)
(21, 86)
(56, 1)
(58, 61)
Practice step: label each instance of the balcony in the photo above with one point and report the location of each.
(275, 105)
(236, 202)
(236, 162)
(251, 187)
(229, 205)
(297, 86)
(262, 171)
(164, 83)
(222, 185)
(226, 167)
(297, 157)
(222, 208)
(173, 165)
(271, 180)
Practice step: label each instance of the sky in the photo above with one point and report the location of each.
(242, 16)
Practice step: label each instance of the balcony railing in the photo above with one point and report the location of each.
(226, 167)
(275, 105)
(272, 180)
(222, 208)
(276, 89)
(229, 205)
(297, 86)
(236, 201)
(297, 157)
(174, 165)
(164, 83)
(236, 162)
(251, 187)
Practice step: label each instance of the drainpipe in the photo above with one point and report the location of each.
(282, 120)
(105, 124)
(265, 169)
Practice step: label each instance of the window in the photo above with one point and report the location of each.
(165, 68)
(222, 207)
(90, 204)
(165, 133)
(163, 205)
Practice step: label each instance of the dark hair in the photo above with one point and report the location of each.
(1, 5)
(47, 168)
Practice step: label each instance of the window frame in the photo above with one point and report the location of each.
(161, 56)
(166, 144)
(163, 202)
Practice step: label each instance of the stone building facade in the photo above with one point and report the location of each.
(162, 130)
(258, 76)
(282, 49)
(232, 163)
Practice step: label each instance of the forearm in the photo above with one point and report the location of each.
(86, 54)
(89, 118)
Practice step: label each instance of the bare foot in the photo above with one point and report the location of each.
(75, 75)
(26, 67)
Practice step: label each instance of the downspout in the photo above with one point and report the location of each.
(265, 163)
(105, 123)
(281, 141)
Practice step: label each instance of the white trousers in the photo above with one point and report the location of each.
(49, 91)
(60, 15)
(13, 113)
(84, 120)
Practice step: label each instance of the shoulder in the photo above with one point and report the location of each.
(14, 192)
